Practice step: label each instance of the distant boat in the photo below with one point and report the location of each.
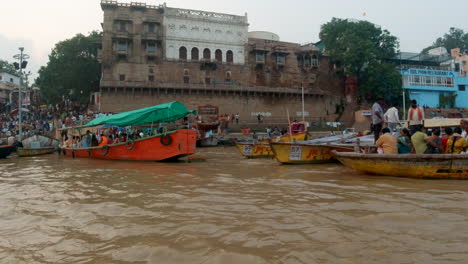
(165, 146)
(262, 149)
(6, 150)
(37, 145)
(29, 152)
(305, 153)
(438, 166)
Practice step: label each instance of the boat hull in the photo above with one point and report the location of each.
(259, 150)
(183, 143)
(412, 166)
(29, 152)
(208, 142)
(6, 150)
(262, 149)
(293, 153)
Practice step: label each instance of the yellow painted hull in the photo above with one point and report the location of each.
(297, 137)
(291, 153)
(412, 166)
(262, 149)
(258, 150)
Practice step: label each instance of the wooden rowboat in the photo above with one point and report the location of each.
(6, 150)
(299, 153)
(29, 152)
(262, 148)
(255, 150)
(443, 166)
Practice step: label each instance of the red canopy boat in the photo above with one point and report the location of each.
(166, 146)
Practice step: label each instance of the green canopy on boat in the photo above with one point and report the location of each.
(163, 113)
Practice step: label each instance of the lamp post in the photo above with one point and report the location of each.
(22, 64)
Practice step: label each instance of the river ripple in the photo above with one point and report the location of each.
(225, 210)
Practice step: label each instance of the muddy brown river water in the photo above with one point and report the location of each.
(225, 210)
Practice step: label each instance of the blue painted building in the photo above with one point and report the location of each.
(429, 78)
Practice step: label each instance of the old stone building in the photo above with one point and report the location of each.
(156, 54)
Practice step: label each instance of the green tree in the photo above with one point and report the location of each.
(362, 49)
(455, 38)
(73, 70)
(7, 67)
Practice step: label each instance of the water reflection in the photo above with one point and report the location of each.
(226, 210)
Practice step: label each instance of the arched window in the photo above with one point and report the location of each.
(307, 61)
(206, 54)
(195, 54)
(315, 61)
(229, 56)
(219, 55)
(183, 53)
(300, 61)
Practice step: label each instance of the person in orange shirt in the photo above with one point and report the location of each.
(387, 142)
(104, 140)
(415, 116)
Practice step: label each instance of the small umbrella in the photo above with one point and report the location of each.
(16, 111)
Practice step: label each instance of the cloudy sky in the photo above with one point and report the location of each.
(39, 24)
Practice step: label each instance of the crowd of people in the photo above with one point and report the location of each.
(49, 120)
(416, 139)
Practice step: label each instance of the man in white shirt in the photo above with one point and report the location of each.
(464, 126)
(377, 118)
(391, 117)
(415, 116)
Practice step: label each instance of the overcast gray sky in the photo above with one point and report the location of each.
(39, 24)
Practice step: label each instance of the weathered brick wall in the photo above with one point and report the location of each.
(274, 108)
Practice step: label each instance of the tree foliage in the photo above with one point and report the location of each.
(73, 70)
(455, 38)
(7, 67)
(362, 49)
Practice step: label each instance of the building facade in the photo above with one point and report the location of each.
(434, 80)
(156, 54)
(8, 84)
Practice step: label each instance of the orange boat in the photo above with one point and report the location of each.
(168, 146)
(172, 145)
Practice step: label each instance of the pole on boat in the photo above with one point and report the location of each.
(303, 108)
(289, 125)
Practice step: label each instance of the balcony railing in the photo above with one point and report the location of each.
(213, 86)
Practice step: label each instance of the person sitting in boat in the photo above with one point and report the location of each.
(456, 144)
(387, 142)
(404, 142)
(86, 140)
(447, 135)
(104, 140)
(94, 141)
(419, 140)
(434, 143)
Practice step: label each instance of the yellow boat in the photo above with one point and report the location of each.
(439, 166)
(262, 148)
(297, 153)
